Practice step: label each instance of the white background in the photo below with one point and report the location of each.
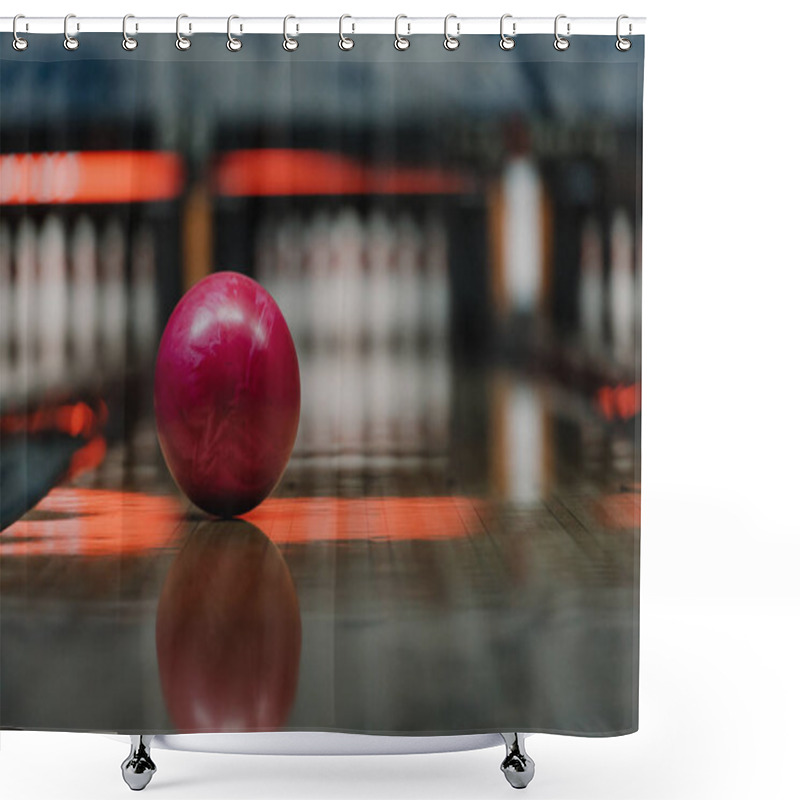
(720, 606)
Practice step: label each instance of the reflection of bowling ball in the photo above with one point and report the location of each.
(227, 394)
(228, 632)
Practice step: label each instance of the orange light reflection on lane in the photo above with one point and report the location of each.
(389, 518)
(98, 522)
(93, 522)
(101, 522)
(619, 512)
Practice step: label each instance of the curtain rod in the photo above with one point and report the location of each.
(349, 25)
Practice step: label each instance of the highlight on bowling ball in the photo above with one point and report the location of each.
(227, 394)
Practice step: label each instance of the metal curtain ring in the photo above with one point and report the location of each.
(400, 42)
(181, 42)
(70, 42)
(451, 42)
(344, 42)
(507, 42)
(290, 44)
(233, 44)
(128, 42)
(560, 43)
(623, 44)
(19, 44)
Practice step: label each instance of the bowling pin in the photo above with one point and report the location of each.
(265, 267)
(320, 407)
(330, 386)
(409, 377)
(420, 285)
(335, 280)
(53, 300)
(113, 318)
(317, 257)
(590, 288)
(622, 289)
(144, 294)
(6, 310)
(522, 239)
(410, 364)
(436, 381)
(437, 282)
(346, 263)
(364, 334)
(277, 257)
(26, 308)
(637, 296)
(381, 295)
(436, 328)
(143, 314)
(85, 301)
(397, 401)
(348, 258)
(381, 390)
(293, 297)
(351, 403)
(406, 269)
(290, 274)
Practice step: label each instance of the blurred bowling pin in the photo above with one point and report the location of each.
(590, 287)
(437, 282)
(317, 256)
(144, 294)
(291, 278)
(265, 262)
(380, 295)
(622, 289)
(522, 240)
(437, 377)
(6, 309)
(113, 318)
(409, 377)
(352, 403)
(637, 295)
(407, 269)
(328, 385)
(322, 371)
(85, 301)
(436, 380)
(26, 307)
(344, 269)
(380, 390)
(282, 267)
(346, 265)
(53, 300)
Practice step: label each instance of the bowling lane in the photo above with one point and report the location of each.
(466, 561)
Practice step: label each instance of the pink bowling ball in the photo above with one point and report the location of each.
(227, 394)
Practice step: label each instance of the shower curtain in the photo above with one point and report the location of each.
(453, 239)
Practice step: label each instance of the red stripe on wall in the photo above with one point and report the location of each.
(119, 176)
(282, 172)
